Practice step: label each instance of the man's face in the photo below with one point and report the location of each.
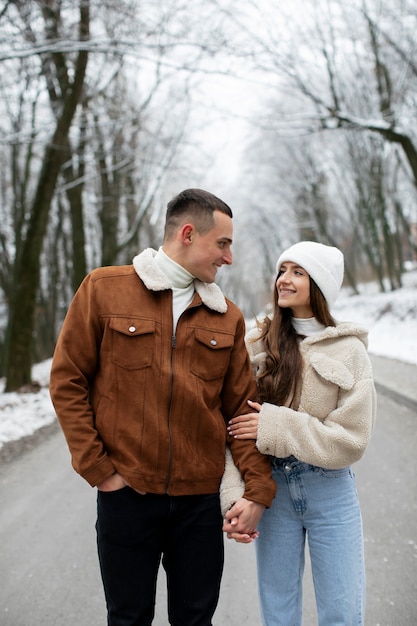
(210, 251)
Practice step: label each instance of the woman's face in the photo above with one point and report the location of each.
(293, 286)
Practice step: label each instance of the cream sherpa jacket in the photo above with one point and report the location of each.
(336, 414)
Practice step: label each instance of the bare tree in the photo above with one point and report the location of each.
(19, 338)
(92, 146)
(331, 71)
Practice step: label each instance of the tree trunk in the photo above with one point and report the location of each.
(19, 341)
(74, 178)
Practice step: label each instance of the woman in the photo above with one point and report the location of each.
(314, 419)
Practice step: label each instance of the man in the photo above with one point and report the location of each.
(149, 367)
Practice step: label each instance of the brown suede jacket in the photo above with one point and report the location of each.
(132, 398)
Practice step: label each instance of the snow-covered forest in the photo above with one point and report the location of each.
(301, 116)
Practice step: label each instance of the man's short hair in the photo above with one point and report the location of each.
(195, 206)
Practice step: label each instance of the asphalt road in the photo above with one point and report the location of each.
(48, 566)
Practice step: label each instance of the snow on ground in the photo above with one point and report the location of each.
(391, 319)
(21, 414)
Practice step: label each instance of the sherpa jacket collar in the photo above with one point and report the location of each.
(155, 280)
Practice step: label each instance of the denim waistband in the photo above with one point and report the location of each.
(292, 463)
(280, 462)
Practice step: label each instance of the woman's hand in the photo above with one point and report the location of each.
(245, 426)
(241, 520)
(243, 537)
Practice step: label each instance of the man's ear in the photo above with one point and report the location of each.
(187, 234)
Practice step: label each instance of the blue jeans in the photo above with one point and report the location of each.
(322, 504)
(135, 531)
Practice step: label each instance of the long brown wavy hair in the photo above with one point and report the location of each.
(277, 383)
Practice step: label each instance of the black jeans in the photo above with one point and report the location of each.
(134, 532)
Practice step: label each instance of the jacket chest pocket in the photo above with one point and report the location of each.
(211, 356)
(320, 396)
(132, 342)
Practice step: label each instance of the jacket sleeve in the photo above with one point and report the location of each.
(240, 386)
(73, 367)
(232, 486)
(341, 437)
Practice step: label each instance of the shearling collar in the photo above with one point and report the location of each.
(342, 329)
(328, 367)
(155, 280)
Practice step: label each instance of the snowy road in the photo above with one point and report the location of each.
(48, 566)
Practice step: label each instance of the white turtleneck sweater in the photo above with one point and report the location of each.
(182, 284)
(306, 326)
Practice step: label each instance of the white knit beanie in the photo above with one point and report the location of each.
(323, 263)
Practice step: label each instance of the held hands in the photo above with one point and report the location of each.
(245, 426)
(241, 520)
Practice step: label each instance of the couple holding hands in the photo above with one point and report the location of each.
(153, 374)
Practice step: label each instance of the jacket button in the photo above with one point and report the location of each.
(132, 329)
(213, 342)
